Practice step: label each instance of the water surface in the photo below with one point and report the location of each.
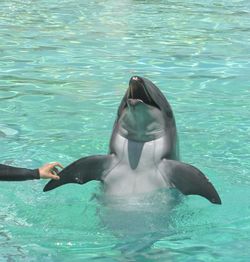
(64, 69)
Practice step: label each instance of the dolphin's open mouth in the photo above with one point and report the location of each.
(137, 91)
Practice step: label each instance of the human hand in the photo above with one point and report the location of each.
(50, 171)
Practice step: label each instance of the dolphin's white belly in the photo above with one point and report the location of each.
(136, 168)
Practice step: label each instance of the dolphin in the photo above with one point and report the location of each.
(143, 151)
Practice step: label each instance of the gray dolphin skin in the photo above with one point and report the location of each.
(143, 154)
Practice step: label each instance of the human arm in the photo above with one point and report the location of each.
(10, 173)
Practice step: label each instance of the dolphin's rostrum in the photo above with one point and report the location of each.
(143, 154)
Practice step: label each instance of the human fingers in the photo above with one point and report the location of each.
(55, 170)
(54, 177)
(55, 164)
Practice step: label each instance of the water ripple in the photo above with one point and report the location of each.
(64, 69)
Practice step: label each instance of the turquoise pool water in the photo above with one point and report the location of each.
(65, 66)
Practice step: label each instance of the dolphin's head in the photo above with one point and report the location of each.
(144, 113)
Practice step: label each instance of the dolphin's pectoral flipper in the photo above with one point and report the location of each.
(82, 171)
(188, 179)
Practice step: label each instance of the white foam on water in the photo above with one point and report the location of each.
(7, 131)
